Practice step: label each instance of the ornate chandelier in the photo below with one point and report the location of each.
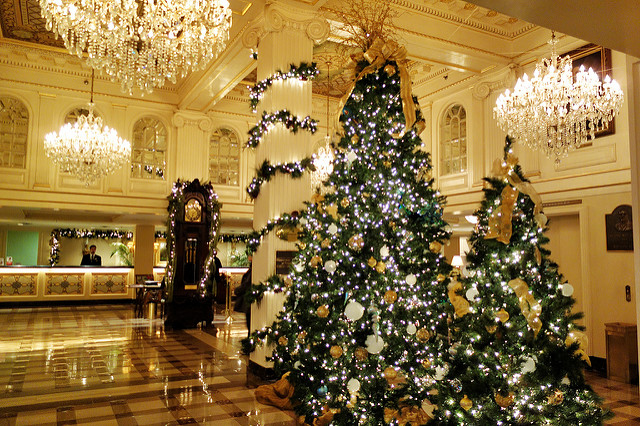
(141, 42)
(554, 113)
(87, 149)
(323, 160)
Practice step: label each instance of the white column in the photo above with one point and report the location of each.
(633, 102)
(283, 36)
(192, 147)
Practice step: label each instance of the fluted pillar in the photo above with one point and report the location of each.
(284, 35)
(192, 147)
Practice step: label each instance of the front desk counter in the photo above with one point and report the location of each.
(62, 283)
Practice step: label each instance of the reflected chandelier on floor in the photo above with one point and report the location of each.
(87, 148)
(552, 112)
(141, 42)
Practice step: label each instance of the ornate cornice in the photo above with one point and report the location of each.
(278, 17)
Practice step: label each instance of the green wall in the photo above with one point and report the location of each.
(23, 247)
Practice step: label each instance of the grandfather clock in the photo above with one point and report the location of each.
(189, 304)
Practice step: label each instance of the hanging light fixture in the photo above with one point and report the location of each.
(87, 149)
(141, 42)
(323, 159)
(552, 112)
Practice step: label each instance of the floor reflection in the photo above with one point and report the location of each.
(99, 365)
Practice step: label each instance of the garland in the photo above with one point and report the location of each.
(254, 239)
(302, 72)
(176, 202)
(290, 121)
(56, 234)
(268, 170)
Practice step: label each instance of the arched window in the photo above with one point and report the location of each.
(148, 150)
(224, 157)
(453, 141)
(14, 127)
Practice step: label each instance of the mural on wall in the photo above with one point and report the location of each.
(18, 285)
(64, 284)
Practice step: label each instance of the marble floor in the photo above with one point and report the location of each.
(100, 365)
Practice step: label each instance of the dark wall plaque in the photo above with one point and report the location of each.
(620, 228)
(283, 261)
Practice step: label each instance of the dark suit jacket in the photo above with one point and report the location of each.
(86, 260)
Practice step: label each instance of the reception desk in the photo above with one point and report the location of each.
(41, 283)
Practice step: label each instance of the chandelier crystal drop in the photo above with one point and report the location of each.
(141, 43)
(87, 148)
(552, 112)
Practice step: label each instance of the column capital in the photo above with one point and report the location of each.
(191, 118)
(279, 16)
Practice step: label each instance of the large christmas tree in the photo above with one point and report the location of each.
(363, 331)
(518, 353)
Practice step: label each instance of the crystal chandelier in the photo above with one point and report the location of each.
(141, 42)
(87, 149)
(554, 113)
(323, 159)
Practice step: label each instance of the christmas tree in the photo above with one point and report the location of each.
(518, 353)
(363, 333)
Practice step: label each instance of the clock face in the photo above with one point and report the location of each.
(192, 211)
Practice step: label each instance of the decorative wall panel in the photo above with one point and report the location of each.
(109, 284)
(18, 285)
(64, 284)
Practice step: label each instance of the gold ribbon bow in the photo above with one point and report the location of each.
(460, 304)
(503, 168)
(377, 55)
(530, 307)
(578, 336)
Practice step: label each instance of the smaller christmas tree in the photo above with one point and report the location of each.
(518, 353)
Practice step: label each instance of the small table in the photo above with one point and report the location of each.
(144, 293)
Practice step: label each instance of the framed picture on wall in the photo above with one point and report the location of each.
(597, 58)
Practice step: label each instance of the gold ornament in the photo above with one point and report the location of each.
(460, 304)
(466, 403)
(530, 307)
(390, 70)
(502, 315)
(387, 164)
(491, 328)
(372, 262)
(441, 277)
(390, 373)
(381, 266)
(282, 341)
(504, 401)
(288, 281)
(356, 242)
(361, 354)
(302, 335)
(325, 243)
(323, 311)
(355, 138)
(435, 247)
(556, 397)
(392, 225)
(332, 209)
(426, 363)
(423, 335)
(344, 221)
(366, 195)
(344, 203)
(315, 261)
(390, 296)
(335, 351)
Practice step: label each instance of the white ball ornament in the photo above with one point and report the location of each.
(411, 329)
(384, 251)
(330, 266)
(353, 385)
(351, 157)
(303, 221)
(298, 267)
(440, 372)
(354, 310)
(529, 365)
(411, 279)
(333, 228)
(472, 293)
(374, 344)
(567, 290)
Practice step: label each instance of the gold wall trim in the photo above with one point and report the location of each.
(561, 203)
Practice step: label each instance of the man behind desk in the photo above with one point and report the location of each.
(91, 258)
